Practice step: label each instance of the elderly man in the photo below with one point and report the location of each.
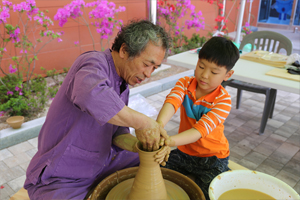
(85, 136)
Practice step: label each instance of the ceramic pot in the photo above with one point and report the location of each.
(148, 182)
(15, 121)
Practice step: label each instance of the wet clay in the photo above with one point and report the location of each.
(148, 183)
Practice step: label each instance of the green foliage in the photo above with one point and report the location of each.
(16, 106)
(9, 83)
(30, 97)
(194, 42)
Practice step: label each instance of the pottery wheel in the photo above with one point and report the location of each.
(121, 191)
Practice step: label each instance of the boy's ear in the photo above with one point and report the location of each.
(228, 75)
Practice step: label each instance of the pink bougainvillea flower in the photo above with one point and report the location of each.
(4, 14)
(59, 40)
(25, 51)
(76, 42)
(9, 93)
(20, 93)
(17, 88)
(103, 13)
(172, 12)
(70, 10)
(12, 69)
(14, 35)
(6, 3)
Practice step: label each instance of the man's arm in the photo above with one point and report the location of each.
(126, 141)
(131, 118)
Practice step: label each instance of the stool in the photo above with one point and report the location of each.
(20, 195)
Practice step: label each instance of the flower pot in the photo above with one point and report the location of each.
(15, 121)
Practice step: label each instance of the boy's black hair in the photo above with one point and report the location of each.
(220, 51)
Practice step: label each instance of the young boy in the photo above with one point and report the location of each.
(203, 150)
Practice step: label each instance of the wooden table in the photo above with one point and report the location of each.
(247, 71)
(244, 70)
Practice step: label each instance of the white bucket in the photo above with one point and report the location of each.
(247, 179)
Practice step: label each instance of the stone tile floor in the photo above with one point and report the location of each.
(276, 152)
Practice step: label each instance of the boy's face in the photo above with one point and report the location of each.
(209, 76)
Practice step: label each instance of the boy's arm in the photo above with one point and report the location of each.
(173, 101)
(165, 114)
(183, 138)
(213, 118)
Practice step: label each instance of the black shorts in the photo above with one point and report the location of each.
(203, 169)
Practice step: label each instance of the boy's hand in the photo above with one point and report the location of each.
(162, 156)
(169, 142)
(162, 139)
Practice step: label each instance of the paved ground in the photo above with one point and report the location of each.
(275, 153)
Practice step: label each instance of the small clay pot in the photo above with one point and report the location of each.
(15, 121)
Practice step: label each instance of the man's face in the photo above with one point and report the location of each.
(209, 76)
(136, 69)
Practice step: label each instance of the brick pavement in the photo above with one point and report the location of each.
(276, 152)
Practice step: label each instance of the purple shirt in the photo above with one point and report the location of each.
(75, 143)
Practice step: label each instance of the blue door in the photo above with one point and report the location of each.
(276, 11)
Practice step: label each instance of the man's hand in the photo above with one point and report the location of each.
(162, 156)
(150, 135)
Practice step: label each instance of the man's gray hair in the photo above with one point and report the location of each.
(136, 36)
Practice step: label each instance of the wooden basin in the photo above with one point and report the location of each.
(187, 184)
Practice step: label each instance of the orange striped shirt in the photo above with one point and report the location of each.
(206, 114)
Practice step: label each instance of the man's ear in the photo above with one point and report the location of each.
(122, 51)
(228, 75)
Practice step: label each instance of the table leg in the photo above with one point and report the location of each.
(269, 104)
